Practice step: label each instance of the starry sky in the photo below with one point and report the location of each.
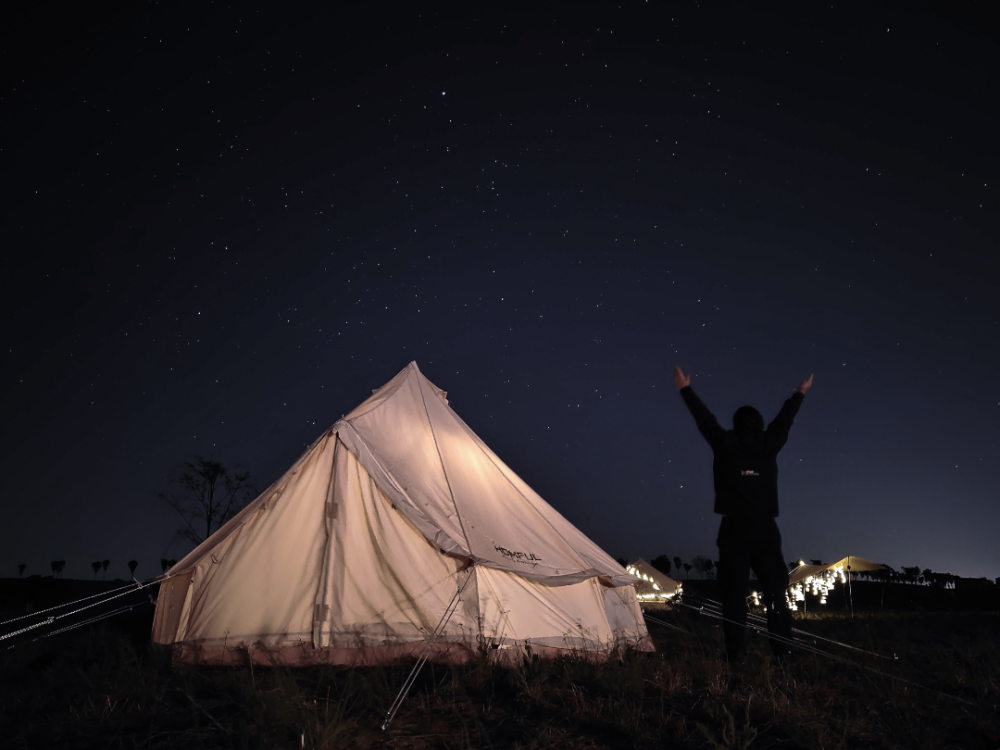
(224, 225)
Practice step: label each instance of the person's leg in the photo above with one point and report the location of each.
(734, 572)
(772, 573)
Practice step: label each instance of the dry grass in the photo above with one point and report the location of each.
(99, 690)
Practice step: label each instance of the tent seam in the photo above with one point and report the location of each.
(371, 452)
(515, 487)
(324, 579)
(423, 402)
(245, 512)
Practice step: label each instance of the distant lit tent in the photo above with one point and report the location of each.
(655, 587)
(397, 531)
(819, 580)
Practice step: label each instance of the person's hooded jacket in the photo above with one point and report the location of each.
(745, 467)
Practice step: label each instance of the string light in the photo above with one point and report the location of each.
(657, 594)
(819, 585)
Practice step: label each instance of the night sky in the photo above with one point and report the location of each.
(224, 226)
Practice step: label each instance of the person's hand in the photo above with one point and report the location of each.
(683, 381)
(805, 385)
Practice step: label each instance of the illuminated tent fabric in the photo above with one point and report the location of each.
(655, 587)
(854, 564)
(354, 555)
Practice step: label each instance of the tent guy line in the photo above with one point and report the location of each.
(51, 619)
(717, 607)
(32, 615)
(820, 652)
(91, 621)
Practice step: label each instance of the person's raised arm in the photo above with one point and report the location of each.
(783, 422)
(708, 425)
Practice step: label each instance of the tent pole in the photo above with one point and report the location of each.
(422, 659)
(850, 593)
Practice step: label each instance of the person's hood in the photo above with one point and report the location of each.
(748, 419)
(748, 424)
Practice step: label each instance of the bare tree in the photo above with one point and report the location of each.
(104, 565)
(704, 566)
(20, 569)
(206, 494)
(661, 563)
(96, 565)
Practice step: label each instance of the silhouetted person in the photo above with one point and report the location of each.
(745, 470)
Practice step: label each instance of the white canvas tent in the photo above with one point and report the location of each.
(357, 552)
(656, 588)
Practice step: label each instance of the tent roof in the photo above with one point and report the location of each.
(447, 482)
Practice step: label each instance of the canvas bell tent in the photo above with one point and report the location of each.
(655, 588)
(397, 531)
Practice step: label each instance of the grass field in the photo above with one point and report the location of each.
(98, 688)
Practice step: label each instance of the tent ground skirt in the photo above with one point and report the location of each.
(376, 656)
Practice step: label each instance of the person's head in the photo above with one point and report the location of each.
(748, 419)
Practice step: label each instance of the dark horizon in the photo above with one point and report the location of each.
(228, 225)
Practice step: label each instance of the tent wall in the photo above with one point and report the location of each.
(259, 584)
(621, 607)
(517, 610)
